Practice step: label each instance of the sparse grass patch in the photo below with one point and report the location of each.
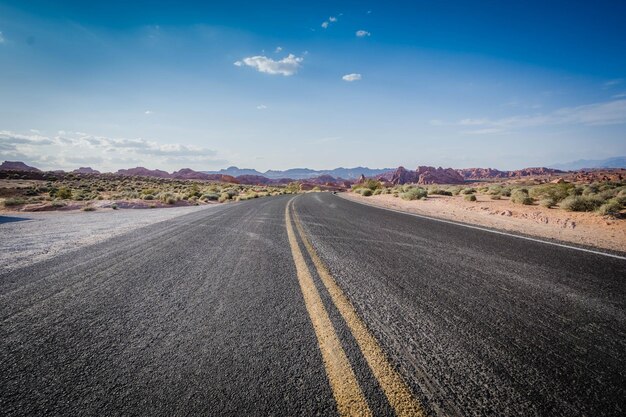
(11, 202)
(414, 194)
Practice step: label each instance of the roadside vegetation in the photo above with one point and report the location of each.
(604, 198)
(87, 191)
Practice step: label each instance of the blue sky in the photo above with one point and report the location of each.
(276, 85)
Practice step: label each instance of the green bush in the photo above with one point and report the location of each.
(547, 202)
(366, 192)
(470, 197)
(581, 203)
(496, 197)
(469, 190)
(439, 191)
(88, 208)
(224, 197)
(211, 196)
(10, 202)
(555, 192)
(64, 193)
(610, 208)
(520, 196)
(414, 194)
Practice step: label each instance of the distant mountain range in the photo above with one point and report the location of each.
(616, 162)
(304, 173)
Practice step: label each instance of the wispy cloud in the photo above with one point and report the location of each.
(148, 112)
(596, 114)
(620, 95)
(286, 66)
(2, 38)
(261, 107)
(613, 83)
(362, 33)
(351, 77)
(278, 49)
(68, 148)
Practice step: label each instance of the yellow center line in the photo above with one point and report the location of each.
(346, 391)
(397, 392)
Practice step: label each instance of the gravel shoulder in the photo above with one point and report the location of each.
(27, 238)
(588, 229)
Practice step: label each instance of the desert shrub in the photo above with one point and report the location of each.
(547, 202)
(58, 204)
(211, 196)
(414, 194)
(366, 192)
(10, 202)
(556, 192)
(495, 190)
(470, 197)
(469, 190)
(520, 196)
(378, 191)
(224, 197)
(63, 193)
(439, 191)
(114, 206)
(88, 208)
(581, 203)
(456, 190)
(372, 184)
(495, 197)
(610, 208)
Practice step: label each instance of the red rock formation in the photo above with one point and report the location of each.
(143, 172)
(85, 170)
(17, 166)
(426, 175)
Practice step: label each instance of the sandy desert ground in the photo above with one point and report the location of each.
(583, 228)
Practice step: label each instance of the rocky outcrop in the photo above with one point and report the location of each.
(17, 166)
(253, 179)
(486, 173)
(143, 172)
(403, 176)
(426, 175)
(85, 170)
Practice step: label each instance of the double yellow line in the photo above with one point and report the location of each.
(346, 390)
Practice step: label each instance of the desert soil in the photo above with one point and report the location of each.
(27, 238)
(587, 229)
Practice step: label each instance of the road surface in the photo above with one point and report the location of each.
(314, 305)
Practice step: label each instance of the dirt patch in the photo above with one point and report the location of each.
(582, 228)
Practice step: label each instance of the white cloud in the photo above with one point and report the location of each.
(261, 107)
(351, 77)
(148, 112)
(362, 33)
(330, 20)
(68, 149)
(238, 63)
(278, 49)
(596, 114)
(2, 39)
(286, 66)
(620, 95)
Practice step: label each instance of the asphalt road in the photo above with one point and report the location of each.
(314, 306)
